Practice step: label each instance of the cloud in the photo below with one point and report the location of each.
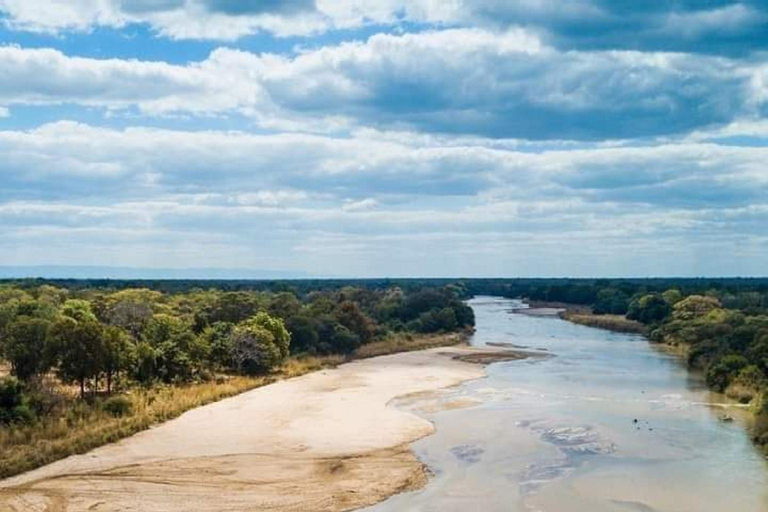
(462, 81)
(337, 205)
(258, 198)
(252, 7)
(726, 27)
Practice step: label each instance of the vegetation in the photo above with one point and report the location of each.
(94, 361)
(618, 323)
(91, 365)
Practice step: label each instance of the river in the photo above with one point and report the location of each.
(601, 422)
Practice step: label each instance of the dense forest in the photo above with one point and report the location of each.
(99, 338)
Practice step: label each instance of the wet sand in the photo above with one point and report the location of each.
(327, 441)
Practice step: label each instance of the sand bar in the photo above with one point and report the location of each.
(326, 441)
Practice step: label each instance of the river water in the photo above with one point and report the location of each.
(602, 422)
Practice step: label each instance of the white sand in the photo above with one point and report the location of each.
(324, 441)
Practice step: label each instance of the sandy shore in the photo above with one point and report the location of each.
(327, 441)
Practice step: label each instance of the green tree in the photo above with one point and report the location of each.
(720, 374)
(695, 306)
(119, 353)
(672, 296)
(260, 343)
(178, 352)
(219, 339)
(284, 305)
(349, 315)
(25, 345)
(648, 309)
(78, 309)
(14, 404)
(79, 349)
(611, 301)
(304, 335)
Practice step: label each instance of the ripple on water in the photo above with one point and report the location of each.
(468, 453)
(575, 443)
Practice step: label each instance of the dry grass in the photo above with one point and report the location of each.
(406, 343)
(609, 322)
(85, 426)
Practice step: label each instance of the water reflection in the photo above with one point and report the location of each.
(610, 423)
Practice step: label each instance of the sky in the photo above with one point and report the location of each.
(366, 138)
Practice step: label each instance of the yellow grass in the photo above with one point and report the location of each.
(85, 427)
(406, 342)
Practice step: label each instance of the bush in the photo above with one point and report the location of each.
(14, 406)
(720, 374)
(117, 406)
(259, 344)
(648, 309)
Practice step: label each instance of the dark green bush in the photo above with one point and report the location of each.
(14, 406)
(117, 406)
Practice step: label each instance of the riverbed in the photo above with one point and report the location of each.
(601, 421)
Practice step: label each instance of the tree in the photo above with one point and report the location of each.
(648, 309)
(349, 315)
(79, 349)
(78, 309)
(304, 335)
(720, 374)
(144, 367)
(672, 296)
(219, 339)
(14, 406)
(26, 347)
(178, 352)
(260, 343)
(695, 306)
(611, 301)
(119, 353)
(130, 314)
(284, 305)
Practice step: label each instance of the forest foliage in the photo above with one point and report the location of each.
(102, 339)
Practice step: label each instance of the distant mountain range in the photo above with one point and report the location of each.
(104, 272)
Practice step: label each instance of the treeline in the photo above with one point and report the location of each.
(102, 338)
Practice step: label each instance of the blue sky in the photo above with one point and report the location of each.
(386, 137)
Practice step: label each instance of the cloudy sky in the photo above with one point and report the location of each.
(386, 137)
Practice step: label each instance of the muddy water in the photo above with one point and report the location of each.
(607, 423)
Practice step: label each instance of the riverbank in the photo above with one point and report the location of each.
(25, 448)
(325, 441)
(619, 323)
(616, 323)
(583, 315)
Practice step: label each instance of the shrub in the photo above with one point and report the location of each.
(260, 343)
(648, 309)
(14, 406)
(117, 406)
(720, 374)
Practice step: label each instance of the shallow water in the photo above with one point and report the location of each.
(608, 423)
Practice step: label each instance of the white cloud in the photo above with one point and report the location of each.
(280, 201)
(465, 81)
